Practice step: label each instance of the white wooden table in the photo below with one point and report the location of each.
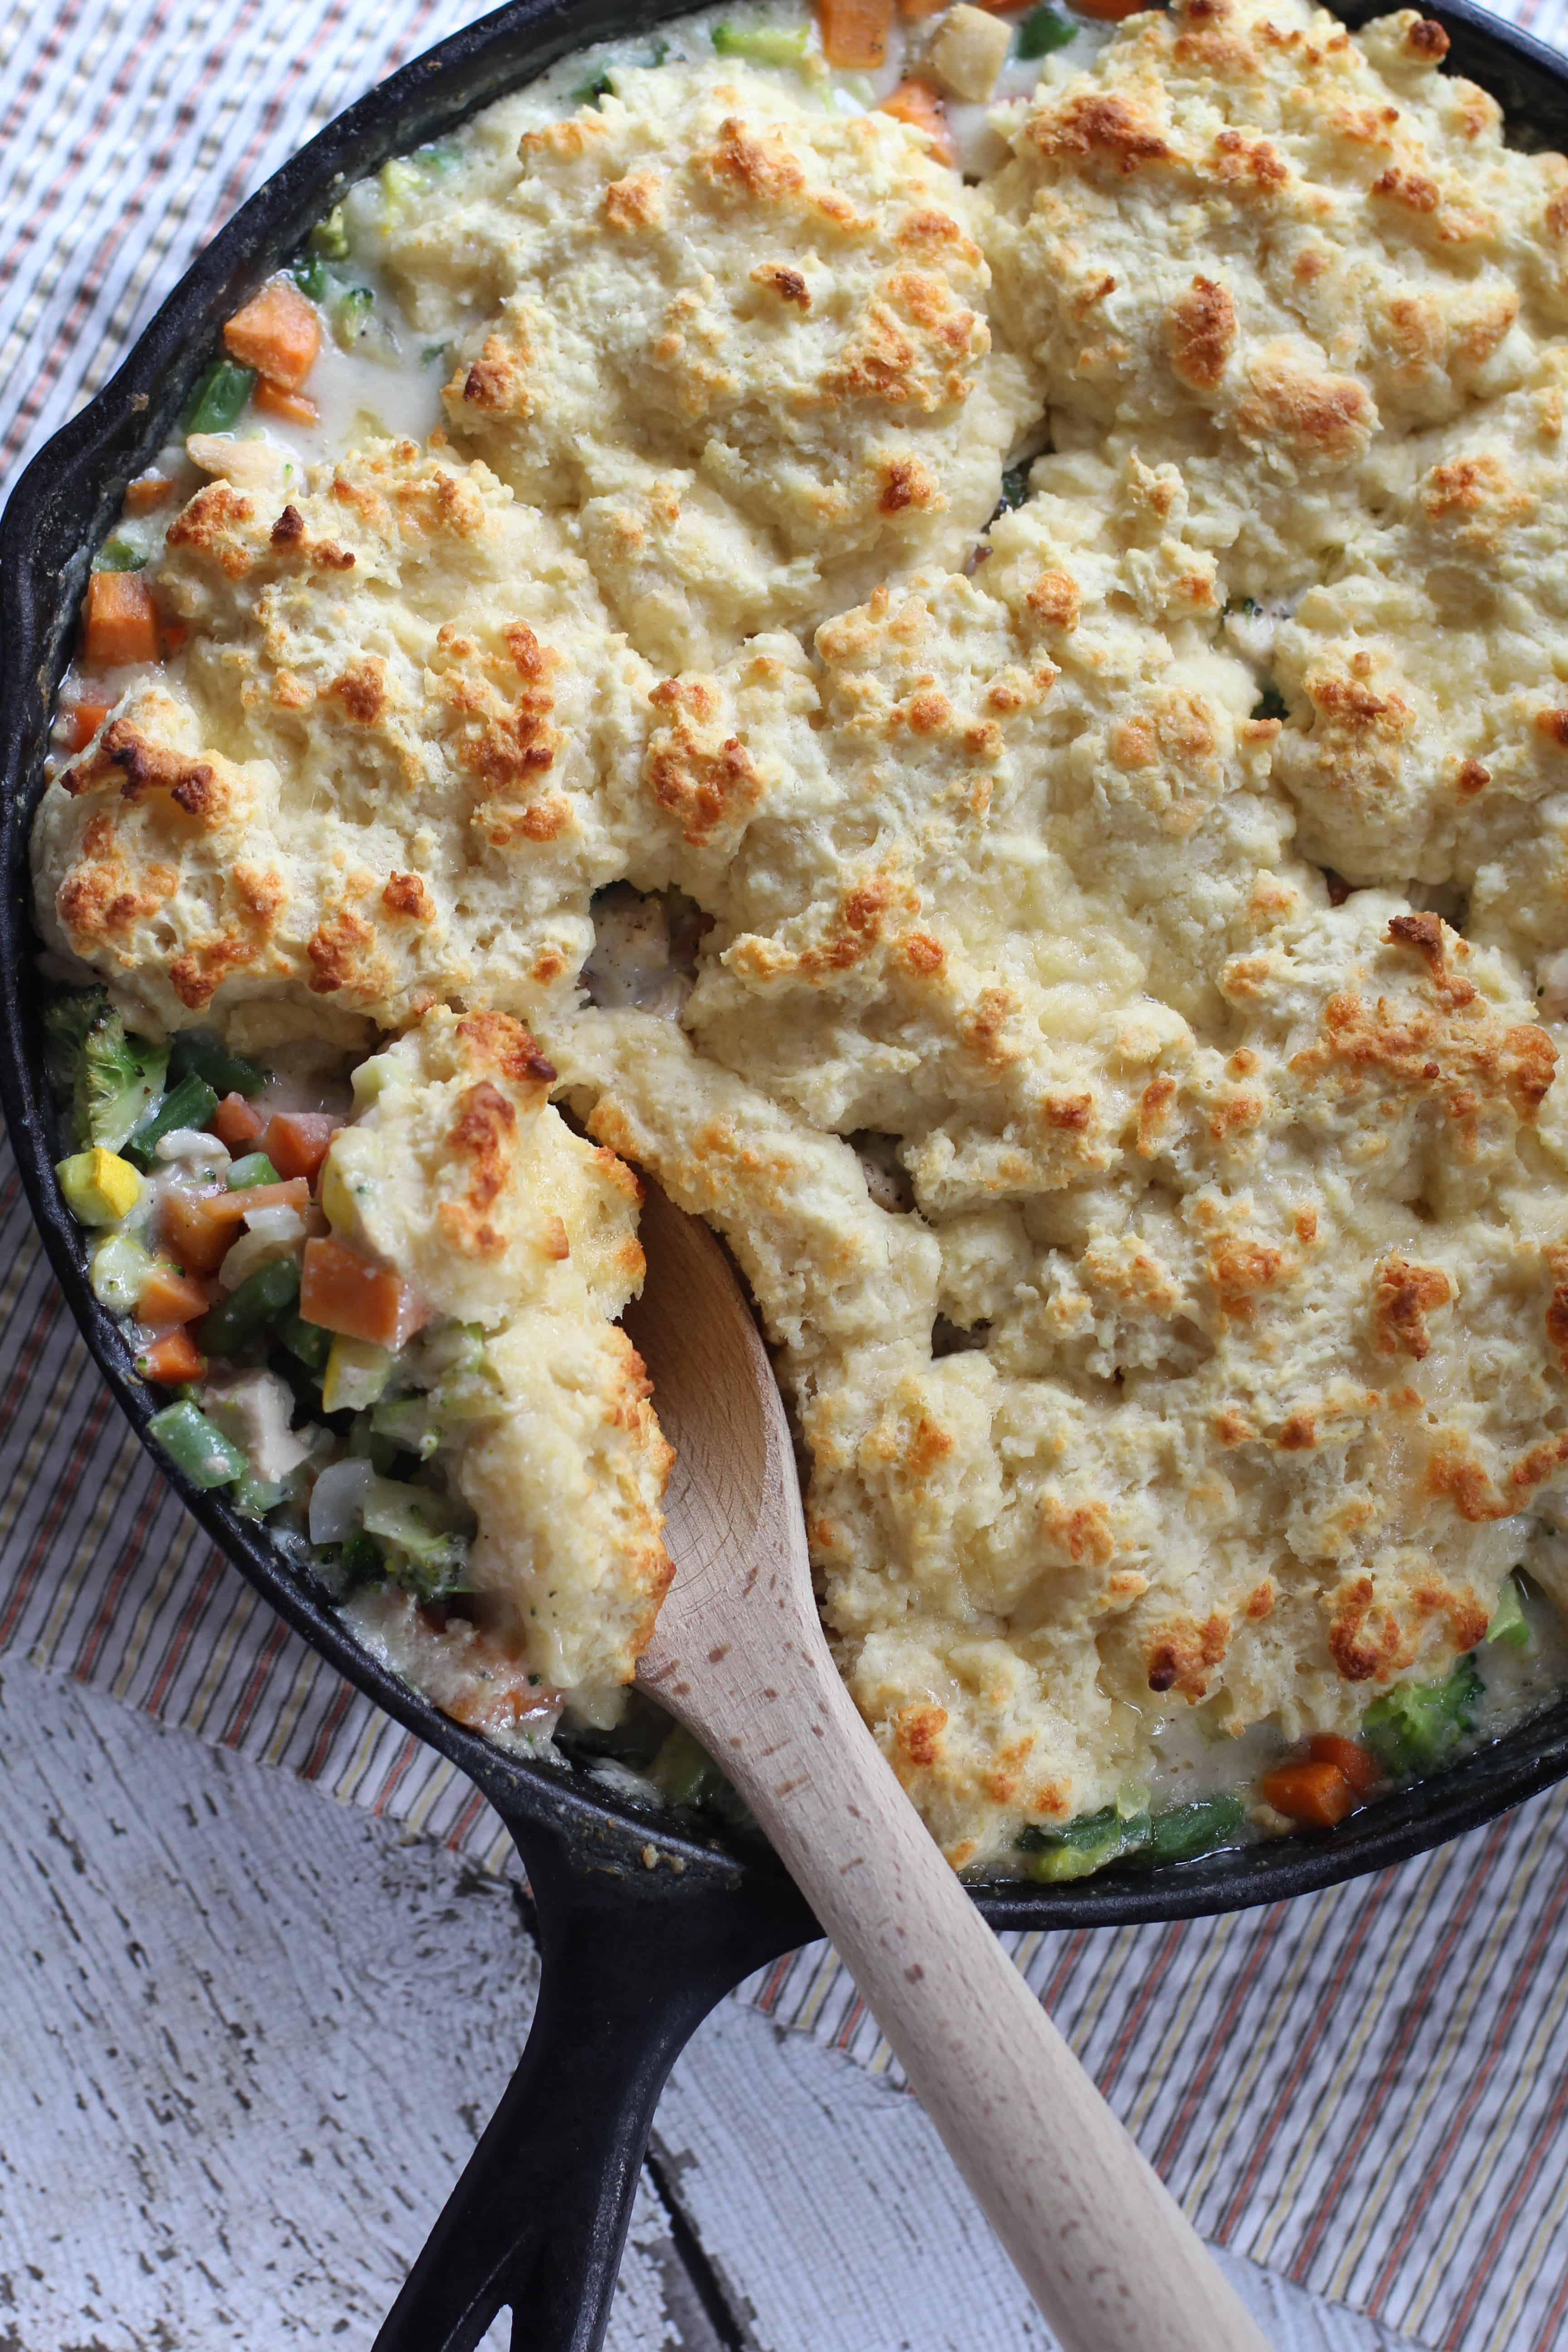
(248, 2038)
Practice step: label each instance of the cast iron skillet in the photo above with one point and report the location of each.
(643, 1925)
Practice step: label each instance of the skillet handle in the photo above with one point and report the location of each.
(538, 2219)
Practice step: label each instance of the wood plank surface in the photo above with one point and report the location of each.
(248, 2038)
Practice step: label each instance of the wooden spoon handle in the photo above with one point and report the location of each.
(1101, 2243)
(738, 1655)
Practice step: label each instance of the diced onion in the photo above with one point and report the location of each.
(250, 1251)
(279, 1223)
(337, 1501)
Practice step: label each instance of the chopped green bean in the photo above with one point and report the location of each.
(1041, 32)
(119, 555)
(309, 1341)
(260, 1301)
(763, 45)
(1079, 1848)
(196, 1052)
(190, 1104)
(254, 1496)
(221, 397)
(254, 1169)
(194, 1446)
(1270, 703)
(1181, 1832)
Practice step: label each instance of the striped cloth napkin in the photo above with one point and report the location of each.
(1366, 2091)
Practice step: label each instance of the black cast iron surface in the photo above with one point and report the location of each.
(643, 1922)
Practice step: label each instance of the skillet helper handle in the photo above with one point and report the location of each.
(1101, 2243)
(538, 2220)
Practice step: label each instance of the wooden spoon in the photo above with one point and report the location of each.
(739, 1657)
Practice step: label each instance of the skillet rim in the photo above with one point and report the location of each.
(60, 508)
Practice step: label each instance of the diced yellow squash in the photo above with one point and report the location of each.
(357, 1371)
(100, 1187)
(336, 1199)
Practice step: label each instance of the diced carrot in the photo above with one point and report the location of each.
(120, 620)
(295, 1140)
(277, 332)
(293, 407)
(196, 1239)
(498, 1692)
(172, 637)
(237, 1122)
(146, 492)
(1318, 1795)
(917, 11)
(199, 1226)
(484, 1705)
(345, 1292)
(1110, 12)
(855, 32)
(170, 1296)
(917, 103)
(231, 1208)
(1358, 1764)
(171, 1359)
(82, 722)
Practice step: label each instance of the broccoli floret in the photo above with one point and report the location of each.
(434, 1571)
(108, 1077)
(67, 1020)
(122, 1079)
(1417, 1727)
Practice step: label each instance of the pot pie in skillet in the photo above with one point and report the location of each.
(980, 691)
